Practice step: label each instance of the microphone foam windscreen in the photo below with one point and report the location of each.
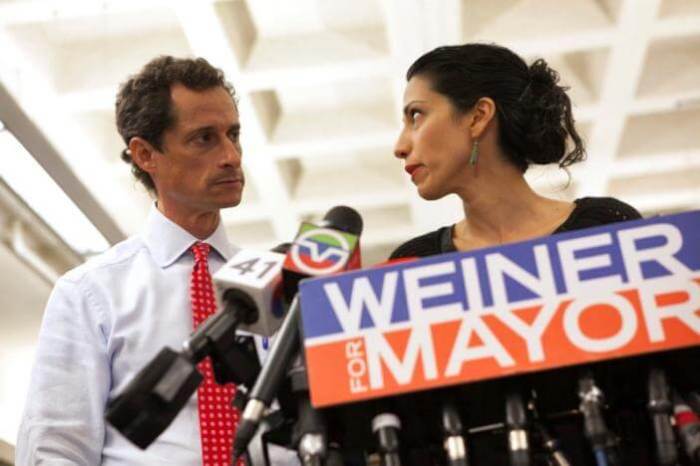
(345, 219)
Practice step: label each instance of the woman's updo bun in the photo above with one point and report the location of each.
(533, 110)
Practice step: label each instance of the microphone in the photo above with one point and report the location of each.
(161, 389)
(516, 424)
(688, 426)
(661, 409)
(455, 446)
(331, 247)
(154, 397)
(596, 431)
(387, 426)
(253, 280)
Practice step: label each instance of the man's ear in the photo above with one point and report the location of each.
(482, 114)
(143, 154)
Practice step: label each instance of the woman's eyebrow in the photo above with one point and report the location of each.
(408, 105)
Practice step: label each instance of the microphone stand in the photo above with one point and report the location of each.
(310, 429)
(284, 348)
(661, 410)
(602, 440)
(516, 424)
(387, 426)
(455, 446)
(550, 443)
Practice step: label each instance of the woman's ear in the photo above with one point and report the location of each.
(143, 154)
(482, 114)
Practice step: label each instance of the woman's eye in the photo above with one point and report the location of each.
(415, 114)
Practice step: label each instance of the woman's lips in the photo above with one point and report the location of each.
(413, 170)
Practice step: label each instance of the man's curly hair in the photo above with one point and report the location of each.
(144, 107)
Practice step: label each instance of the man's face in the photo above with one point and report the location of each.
(199, 167)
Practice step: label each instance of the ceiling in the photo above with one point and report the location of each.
(320, 86)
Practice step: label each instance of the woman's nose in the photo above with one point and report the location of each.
(401, 147)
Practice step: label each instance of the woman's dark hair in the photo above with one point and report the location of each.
(144, 107)
(533, 110)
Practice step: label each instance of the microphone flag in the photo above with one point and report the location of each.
(607, 292)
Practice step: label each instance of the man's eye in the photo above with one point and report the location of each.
(203, 138)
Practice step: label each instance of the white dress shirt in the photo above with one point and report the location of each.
(103, 322)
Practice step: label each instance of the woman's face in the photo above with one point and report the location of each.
(434, 142)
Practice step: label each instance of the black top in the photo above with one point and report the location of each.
(481, 404)
(589, 212)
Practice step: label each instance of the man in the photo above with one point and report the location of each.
(108, 317)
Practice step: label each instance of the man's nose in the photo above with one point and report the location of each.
(232, 153)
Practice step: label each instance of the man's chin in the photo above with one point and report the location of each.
(230, 203)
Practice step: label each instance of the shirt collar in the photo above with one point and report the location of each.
(167, 241)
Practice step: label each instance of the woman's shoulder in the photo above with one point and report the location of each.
(428, 244)
(597, 211)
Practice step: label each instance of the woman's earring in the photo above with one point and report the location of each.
(473, 157)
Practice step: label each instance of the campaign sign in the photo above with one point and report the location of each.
(590, 295)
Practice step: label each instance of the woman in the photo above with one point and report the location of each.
(475, 118)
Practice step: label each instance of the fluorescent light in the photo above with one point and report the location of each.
(29, 180)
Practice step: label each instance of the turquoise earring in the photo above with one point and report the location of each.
(474, 156)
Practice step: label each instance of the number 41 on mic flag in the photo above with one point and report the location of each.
(607, 292)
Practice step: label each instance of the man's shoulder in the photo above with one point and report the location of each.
(116, 256)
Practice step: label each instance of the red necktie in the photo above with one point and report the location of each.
(217, 418)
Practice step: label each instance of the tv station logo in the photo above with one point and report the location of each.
(607, 292)
(320, 251)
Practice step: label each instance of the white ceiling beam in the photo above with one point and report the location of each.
(415, 27)
(666, 103)
(207, 36)
(38, 11)
(623, 71)
(38, 145)
(256, 80)
(574, 42)
(672, 200)
(656, 164)
(677, 26)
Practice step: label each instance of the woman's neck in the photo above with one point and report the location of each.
(504, 208)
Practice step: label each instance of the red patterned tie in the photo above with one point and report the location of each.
(217, 419)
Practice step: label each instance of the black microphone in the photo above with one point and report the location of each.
(516, 425)
(595, 429)
(386, 427)
(147, 406)
(339, 232)
(454, 444)
(661, 410)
